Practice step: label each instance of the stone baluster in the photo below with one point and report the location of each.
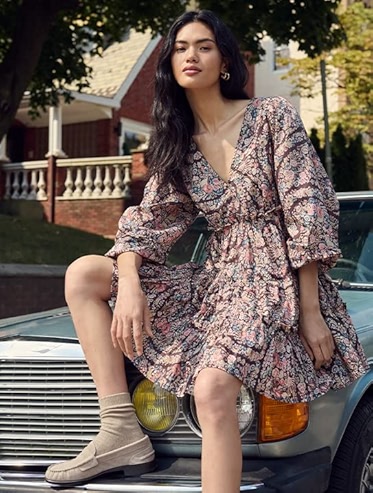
(88, 182)
(15, 185)
(24, 185)
(78, 192)
(69, 184)
(97, 183)
(33, 185)
(41, 195)
(117, 182)
(8, 185)
(126, 182)
(107, 182)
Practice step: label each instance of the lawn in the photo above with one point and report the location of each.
(30, 241)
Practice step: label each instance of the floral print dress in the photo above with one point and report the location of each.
(239, 311)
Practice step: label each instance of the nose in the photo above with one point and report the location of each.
(192, 55)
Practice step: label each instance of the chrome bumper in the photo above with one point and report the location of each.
(34, 483)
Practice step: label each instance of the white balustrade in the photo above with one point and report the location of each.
(25, 180)
(86, 178)
(97, 178)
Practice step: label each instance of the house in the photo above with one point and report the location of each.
(92, 142)
(98, 121)
(82, 163)
(269, 81)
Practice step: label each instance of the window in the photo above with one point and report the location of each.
(132, 135)
(280, 54)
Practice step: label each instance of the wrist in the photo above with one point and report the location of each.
(129, 276)
(309, 307)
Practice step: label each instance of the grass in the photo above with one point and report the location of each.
(30, 241)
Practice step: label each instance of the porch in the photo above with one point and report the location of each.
(84, 193)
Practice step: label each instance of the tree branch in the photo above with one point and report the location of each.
(34, 21)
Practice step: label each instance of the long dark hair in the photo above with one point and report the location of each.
(173, 121)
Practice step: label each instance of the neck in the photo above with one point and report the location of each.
(209, 109)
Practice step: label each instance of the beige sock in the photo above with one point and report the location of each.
(119, 425)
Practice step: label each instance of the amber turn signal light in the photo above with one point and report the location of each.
(279, 420)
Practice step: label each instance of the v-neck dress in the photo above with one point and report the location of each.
(239, 311)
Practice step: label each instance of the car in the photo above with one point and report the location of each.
(49, 407)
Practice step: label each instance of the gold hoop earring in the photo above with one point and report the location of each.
(225, 75)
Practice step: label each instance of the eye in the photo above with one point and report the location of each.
(205, 48)
(179, 49)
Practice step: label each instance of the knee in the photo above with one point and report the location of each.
(82, 276)
(215, 396)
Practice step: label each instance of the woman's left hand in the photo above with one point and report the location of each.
(316, 338)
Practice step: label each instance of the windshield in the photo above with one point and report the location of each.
(356, 242)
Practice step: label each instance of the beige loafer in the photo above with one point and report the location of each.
(134, 459)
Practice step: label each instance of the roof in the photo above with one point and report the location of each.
(118, 61)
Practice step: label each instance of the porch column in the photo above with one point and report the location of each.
(55, 132)
(3, 157)
(54, 151)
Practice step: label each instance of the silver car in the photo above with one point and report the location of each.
(49, 407)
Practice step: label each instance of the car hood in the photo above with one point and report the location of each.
(360, 307)
(40, 335)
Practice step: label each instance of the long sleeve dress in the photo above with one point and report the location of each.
(239, 311)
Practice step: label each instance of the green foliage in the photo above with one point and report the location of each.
(349, 163)
(349, 74)
(88, 26)
(357, 156)
(314, 138)
(314, 24)
(343, 168)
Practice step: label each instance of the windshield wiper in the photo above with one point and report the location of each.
(341, 283)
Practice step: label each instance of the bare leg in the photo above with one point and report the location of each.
(87, 292)
(120, 443)
(215, 395)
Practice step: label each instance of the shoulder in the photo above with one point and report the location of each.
(272, 105)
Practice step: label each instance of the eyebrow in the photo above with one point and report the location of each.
(203, 40)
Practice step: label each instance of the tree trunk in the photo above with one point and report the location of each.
(34, 21)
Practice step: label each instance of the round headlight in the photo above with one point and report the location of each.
(245, 412)
(245, 409)
(156, 409)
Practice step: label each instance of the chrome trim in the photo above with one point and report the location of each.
(49, 409)
(363, 195)
(181, 486)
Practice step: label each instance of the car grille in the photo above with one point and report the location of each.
(49, 410)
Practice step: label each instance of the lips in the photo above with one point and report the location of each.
(191, 70)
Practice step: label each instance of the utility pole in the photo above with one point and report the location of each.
(328, 153)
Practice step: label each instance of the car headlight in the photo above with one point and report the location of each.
(156, 409)
(245, 412)
(245, 409)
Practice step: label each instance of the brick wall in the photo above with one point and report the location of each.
(137, 103)
(95, 216)
(99, 216)
(28, 289)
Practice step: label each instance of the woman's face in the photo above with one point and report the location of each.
(196, 60)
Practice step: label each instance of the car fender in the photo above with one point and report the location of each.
(358, 391)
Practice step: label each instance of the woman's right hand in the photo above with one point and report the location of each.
(131, 317)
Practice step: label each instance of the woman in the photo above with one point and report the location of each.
(260, 312)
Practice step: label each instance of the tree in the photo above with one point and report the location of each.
(343, 169)
(349, 73)
(349, 163)
(316, 142)
(44, 43)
